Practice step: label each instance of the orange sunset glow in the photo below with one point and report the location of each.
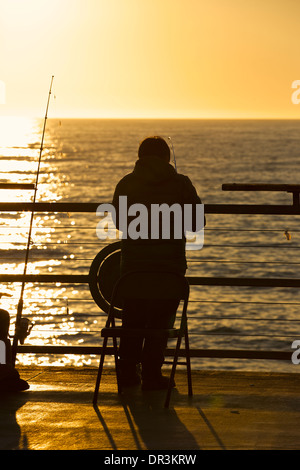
(152, 58)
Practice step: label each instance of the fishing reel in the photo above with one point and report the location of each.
(23, 329)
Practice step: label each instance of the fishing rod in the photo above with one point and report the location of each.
(21, 330)
(174, 159)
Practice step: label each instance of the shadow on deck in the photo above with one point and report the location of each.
(229, 410)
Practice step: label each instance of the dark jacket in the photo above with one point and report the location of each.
(154, 181)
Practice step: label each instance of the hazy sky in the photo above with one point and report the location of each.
(150, 58)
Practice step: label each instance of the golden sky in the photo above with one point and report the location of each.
(150, 58)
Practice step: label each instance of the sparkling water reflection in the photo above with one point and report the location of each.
(84, 159)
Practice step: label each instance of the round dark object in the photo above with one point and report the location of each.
(103, 275)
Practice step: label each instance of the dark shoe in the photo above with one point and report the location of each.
(10, 380)
(12, 385)
(158, 383)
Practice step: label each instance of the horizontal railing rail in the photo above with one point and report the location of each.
(268, 209)
(196, 353)
(193, 280)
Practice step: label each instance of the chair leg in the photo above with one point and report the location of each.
(188, 363)
(100, 369)
(117, 365)
(176, 354)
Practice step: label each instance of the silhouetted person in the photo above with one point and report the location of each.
(153, 181)
(10, 380)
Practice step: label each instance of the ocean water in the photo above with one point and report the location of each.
(83, 160)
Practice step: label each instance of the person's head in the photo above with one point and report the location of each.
(4, 323)
(154, 146)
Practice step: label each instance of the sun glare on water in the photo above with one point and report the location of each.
(17, 131)
(20, 142)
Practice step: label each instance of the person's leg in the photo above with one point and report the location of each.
(130, 350)
(160, 315)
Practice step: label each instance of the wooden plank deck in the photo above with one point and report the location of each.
(229, 411)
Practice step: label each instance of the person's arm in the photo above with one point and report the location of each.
(190, 196)
(115, 203)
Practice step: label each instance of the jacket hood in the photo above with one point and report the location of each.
(154, 170)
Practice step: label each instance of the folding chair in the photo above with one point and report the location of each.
(147, 285)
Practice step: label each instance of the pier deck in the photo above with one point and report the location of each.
(229, 410)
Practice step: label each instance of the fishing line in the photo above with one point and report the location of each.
(21, 328)
(174, 159)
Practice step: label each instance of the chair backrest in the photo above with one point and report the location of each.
(151, 285)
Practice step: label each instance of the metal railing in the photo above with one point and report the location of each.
(222, 209)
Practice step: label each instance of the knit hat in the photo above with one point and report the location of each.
(154, 146)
